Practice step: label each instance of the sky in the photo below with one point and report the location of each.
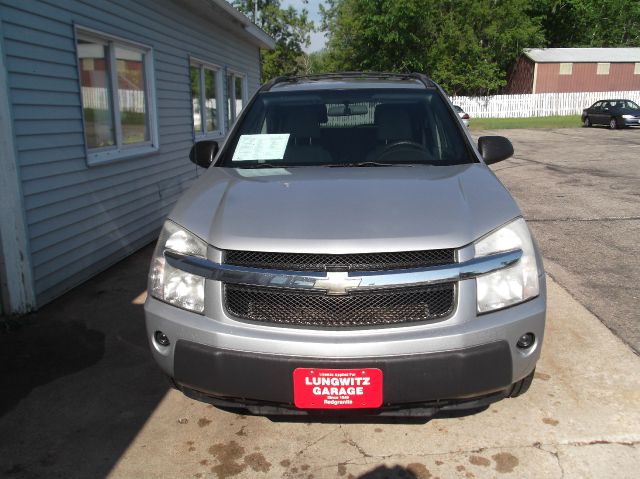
(317, 38)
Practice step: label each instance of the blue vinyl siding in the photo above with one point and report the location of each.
(82, 219)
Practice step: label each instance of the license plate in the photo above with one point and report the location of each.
(337, 388)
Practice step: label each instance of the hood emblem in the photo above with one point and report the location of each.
(337, 283)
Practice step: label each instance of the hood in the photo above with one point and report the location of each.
(345, 210)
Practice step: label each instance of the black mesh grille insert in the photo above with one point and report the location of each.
(350, 310)
(340, 262)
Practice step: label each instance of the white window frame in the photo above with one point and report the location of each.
(201, 65)
(566, 68)
(603, 68)
(232, 115)
(636, 68)
(120, 151)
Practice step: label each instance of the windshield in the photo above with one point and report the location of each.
(347, 128)
(628, 104)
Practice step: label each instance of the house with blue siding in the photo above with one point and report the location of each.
(100, 102)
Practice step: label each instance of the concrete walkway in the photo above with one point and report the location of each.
(581, 419)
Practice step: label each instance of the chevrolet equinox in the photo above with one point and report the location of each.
(347, 248)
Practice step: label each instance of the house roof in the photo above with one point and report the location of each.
(223, 12)
(583, 55)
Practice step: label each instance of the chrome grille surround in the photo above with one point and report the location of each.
(353, 285)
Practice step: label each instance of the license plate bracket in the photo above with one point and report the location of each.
(318, 388)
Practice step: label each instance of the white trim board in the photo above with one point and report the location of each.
(16, 282)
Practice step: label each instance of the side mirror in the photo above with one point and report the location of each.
(203, 153)
(494, 148)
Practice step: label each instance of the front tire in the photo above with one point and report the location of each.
(587, 122)
(613, 124)
(522, 386)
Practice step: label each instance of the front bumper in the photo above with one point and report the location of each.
(631, 121)
(407, 379)
(464, 356)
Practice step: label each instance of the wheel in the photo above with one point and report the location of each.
(613, 124)
(522, 386)
(587, 121)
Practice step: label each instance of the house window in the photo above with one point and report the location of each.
(205, 94)
(566, 68)
(636, 69)
(603, 68)
(236, 96)
(117, 100)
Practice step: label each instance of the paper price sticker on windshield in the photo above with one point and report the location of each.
(261, 147)
(337, 388)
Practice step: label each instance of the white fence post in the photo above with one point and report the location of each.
(536, 104)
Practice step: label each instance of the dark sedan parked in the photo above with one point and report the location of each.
(614, 113)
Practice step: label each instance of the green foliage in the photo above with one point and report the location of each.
(590, 23)
(468, 46)
(288, 27)
(465, 45)
(317, 62)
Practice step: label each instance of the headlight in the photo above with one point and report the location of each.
(510, 285)
(628, 116)
(173, 285)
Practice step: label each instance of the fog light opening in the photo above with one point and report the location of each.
(161, 338)
(526, 341)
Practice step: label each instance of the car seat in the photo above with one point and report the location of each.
(393, 124)
(303, 124)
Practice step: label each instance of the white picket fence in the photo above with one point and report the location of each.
(536, 104)
(98, 98)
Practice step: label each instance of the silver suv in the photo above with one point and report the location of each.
(348, 248)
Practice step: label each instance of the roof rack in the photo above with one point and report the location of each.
(322, 76)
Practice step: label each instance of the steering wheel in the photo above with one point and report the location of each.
(402, 144)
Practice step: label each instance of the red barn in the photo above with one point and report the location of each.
(560, 70)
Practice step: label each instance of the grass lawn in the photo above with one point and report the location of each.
(572, 121)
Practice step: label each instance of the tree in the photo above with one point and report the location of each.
(465, 45)
(591, 23)
(316, 62)
(288, 27)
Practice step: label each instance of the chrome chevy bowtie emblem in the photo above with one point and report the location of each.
(337, 283)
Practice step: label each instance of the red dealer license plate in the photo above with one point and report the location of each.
(337, 388)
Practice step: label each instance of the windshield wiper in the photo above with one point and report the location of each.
(359, 163)
(370, 163)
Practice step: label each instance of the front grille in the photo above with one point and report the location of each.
(355, 309)
(340, 262)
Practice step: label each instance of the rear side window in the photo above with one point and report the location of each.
(340, 127)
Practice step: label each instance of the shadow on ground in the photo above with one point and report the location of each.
(78, 382)
(37, 354)
(412, 471)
